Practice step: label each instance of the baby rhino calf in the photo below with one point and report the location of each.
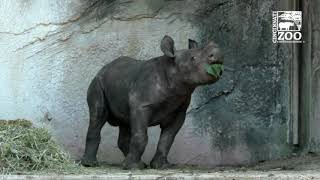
(134, 94)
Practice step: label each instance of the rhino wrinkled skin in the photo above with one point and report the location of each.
(134, 94)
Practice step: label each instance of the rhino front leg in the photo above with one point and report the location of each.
(167, 136)
(124, 139)
(138, 140)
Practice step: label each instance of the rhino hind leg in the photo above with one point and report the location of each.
(98, 111)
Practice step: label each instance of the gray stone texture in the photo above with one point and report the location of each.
(50, 51)
(310, 76)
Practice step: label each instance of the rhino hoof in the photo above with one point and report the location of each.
(89, 162)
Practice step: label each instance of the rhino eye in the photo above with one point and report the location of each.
(211, 55)
(193, 58)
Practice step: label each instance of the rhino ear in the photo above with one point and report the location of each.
(167, 46)
(192, 44)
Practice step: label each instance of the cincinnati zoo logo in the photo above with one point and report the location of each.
(286, 26)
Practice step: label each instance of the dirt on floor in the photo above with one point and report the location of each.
(307, 163)
(27, 150)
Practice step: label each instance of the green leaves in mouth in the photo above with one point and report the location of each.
(214, 69)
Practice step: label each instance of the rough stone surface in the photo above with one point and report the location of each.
(311, 67)
(50, 51)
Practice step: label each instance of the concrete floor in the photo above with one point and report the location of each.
(302, 167)
(296, 175)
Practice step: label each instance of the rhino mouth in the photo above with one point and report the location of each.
(217, 62)
(216, 69)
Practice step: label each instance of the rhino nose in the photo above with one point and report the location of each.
(217, 57)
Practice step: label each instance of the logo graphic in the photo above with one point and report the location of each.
(286, 26)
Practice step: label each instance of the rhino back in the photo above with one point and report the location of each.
(116, 79)
(119, 70)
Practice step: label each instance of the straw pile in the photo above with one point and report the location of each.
(26, 148)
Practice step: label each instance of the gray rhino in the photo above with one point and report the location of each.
(134, 94)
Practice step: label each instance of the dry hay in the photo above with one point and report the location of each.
(26, 148)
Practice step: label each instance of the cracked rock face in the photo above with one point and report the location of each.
(50, 51)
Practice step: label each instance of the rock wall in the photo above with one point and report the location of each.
(50, 51)
(310, 77)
